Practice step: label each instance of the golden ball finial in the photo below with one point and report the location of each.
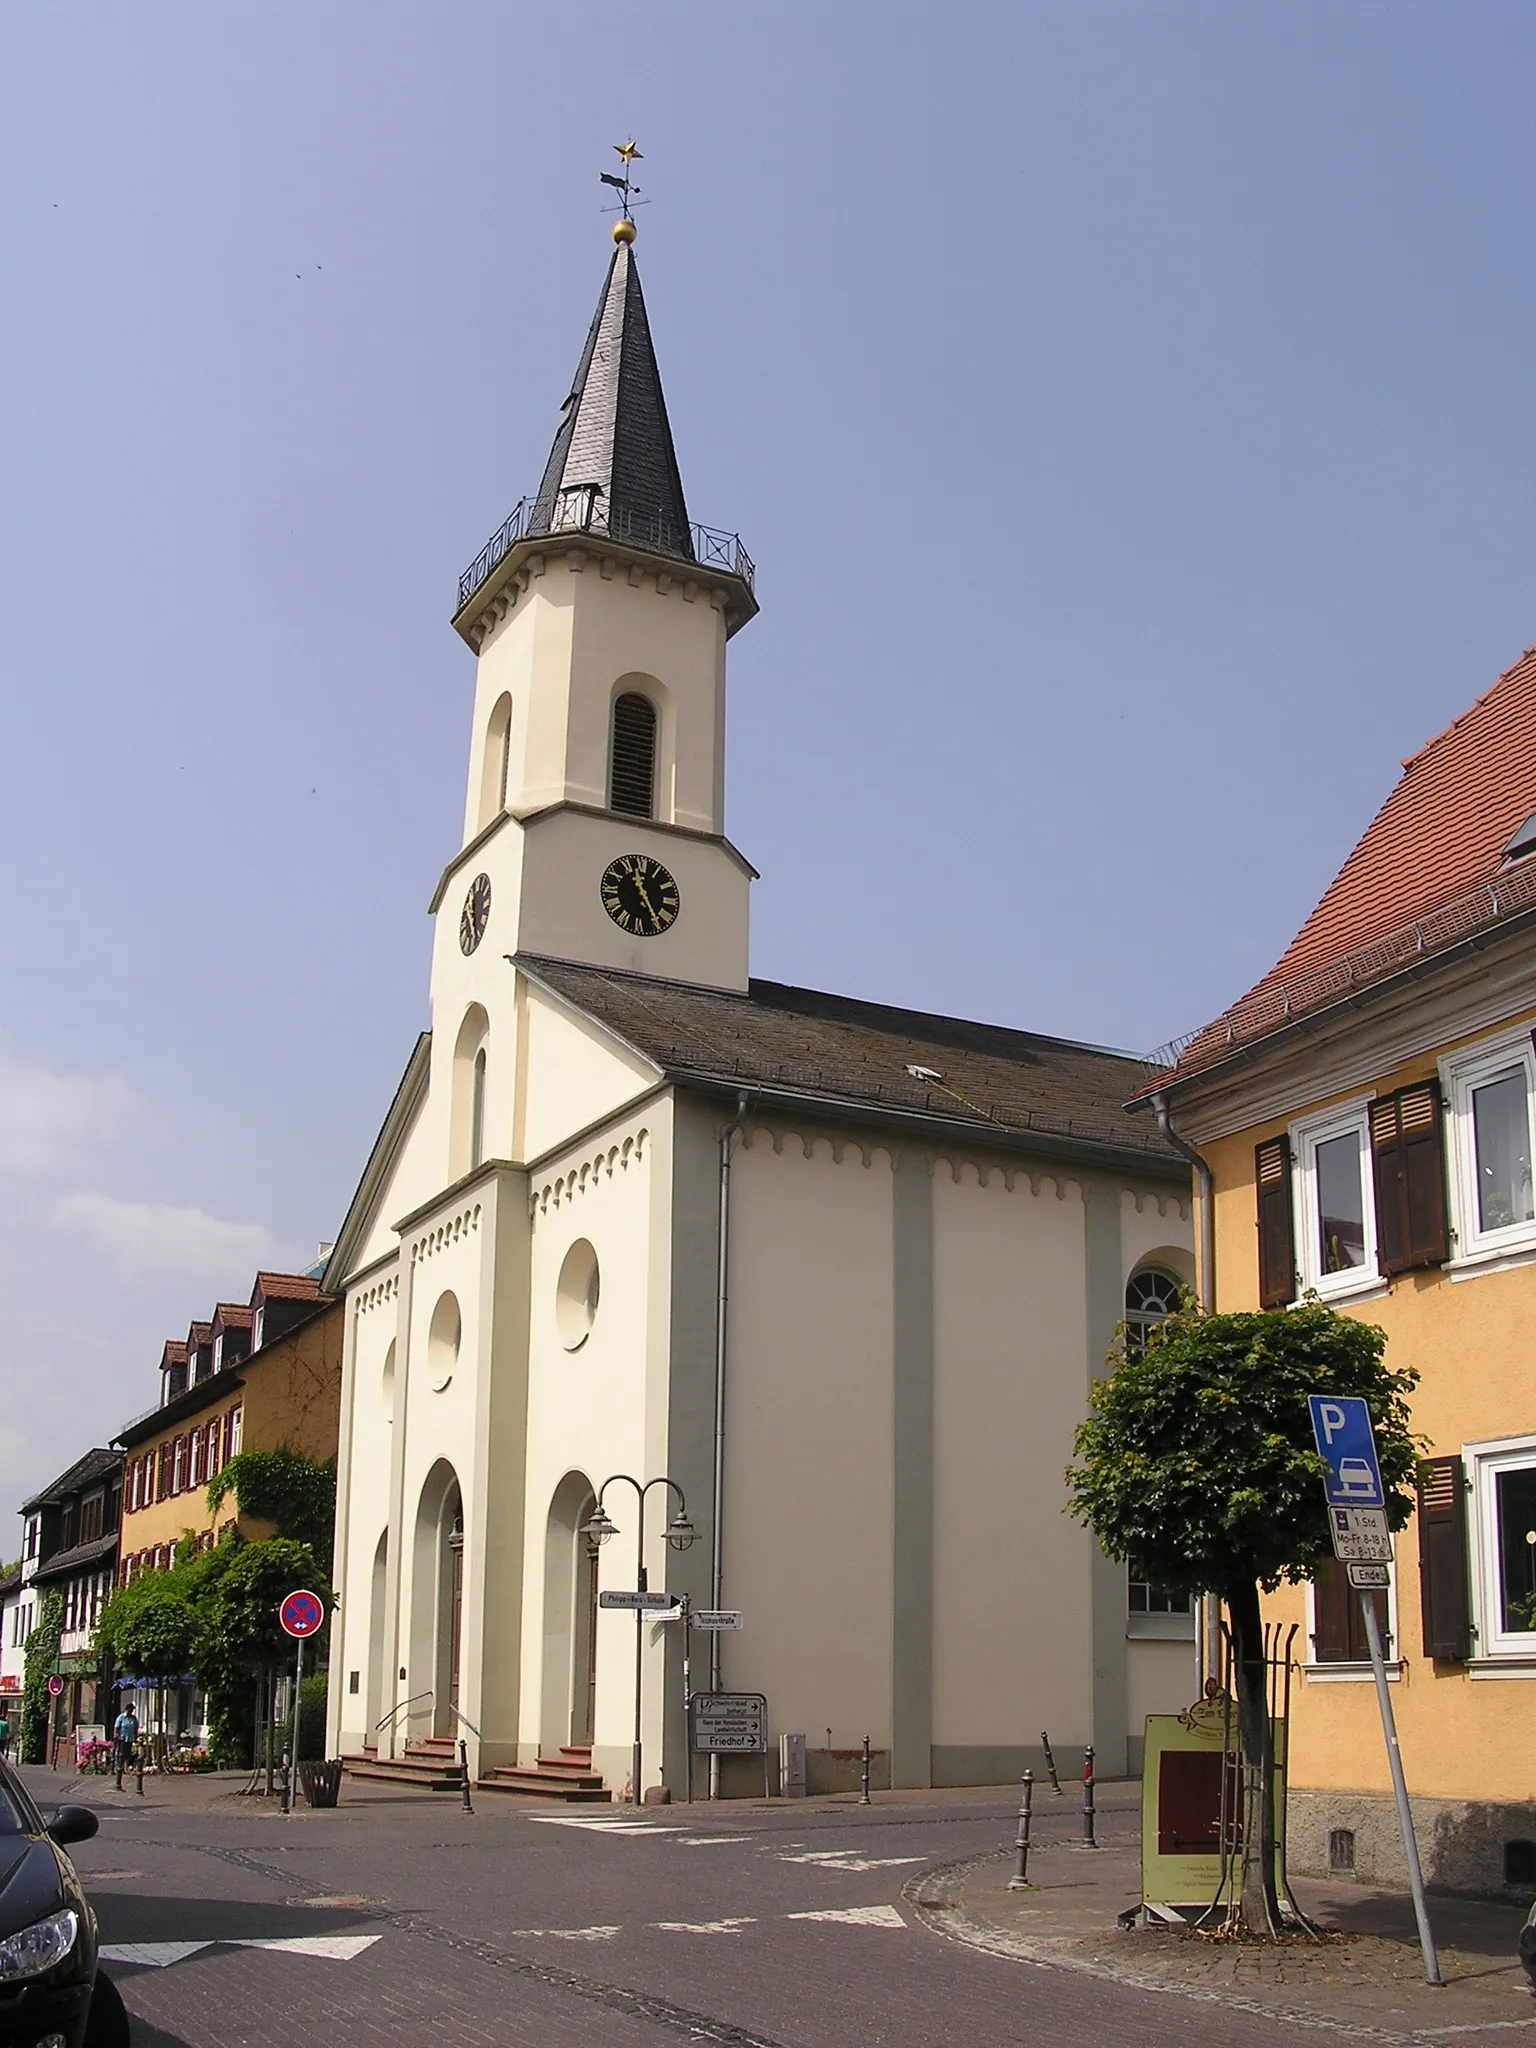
(623, 231)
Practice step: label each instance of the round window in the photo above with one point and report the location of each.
(576, 1294)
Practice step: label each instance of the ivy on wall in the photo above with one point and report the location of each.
(283, 1488)
(42, 1655)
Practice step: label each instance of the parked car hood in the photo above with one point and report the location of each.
(35, 1880)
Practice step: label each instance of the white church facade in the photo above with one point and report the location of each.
(840, 1273)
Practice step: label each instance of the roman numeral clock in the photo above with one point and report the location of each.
(640, 895)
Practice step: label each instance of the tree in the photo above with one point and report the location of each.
(297, 1496)
(40, 1656)
(1198, 1460)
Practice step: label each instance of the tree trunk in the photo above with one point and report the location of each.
(1259, 1907)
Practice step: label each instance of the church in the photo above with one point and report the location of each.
(794, 1299)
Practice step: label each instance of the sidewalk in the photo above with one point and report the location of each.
(1365, 1979)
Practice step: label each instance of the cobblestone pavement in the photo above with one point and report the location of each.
(398, 1918)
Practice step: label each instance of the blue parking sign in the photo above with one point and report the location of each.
(1341, 1424)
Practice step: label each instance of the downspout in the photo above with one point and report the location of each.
(722, 1289)
(1207, 1607)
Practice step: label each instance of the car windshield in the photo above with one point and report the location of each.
(13, 1821)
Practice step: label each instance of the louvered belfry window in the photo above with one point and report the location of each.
(1277, 1233)
(1443, 1598)
(1408, 1157)
(633, 776)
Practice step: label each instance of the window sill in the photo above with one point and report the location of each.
(1160, 1628)
(1350, 1674)
(1495, 1259)
(1369, 1287)
(1512, 1664)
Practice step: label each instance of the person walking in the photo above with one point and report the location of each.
(125, 1733)
(5, 1735)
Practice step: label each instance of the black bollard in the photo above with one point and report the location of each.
(1050, 1764)
(287, 1806)
(864, 1775)
(464, 1775)
(1019, 1882)
(1088, 1841)
(138, 1764)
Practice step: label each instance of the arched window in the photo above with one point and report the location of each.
(477, 1110)
(1150, 1295)
(632, 777)
(495, 763)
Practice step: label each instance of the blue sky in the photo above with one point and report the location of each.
(1129, 407)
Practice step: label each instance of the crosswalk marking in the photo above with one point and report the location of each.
(856, 1916)
(702, 1926)
(569, 1933)
(151, 1955)
(709, 1841)
(159, 1955)
(846, 1859)
(602, 1827)
(337, 1948)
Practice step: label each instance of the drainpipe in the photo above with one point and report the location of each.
(1207, 1607)
(717, 1530)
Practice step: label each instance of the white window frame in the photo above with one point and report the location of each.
(1485, 1461)
(1306, 1134)
(1461, 1073)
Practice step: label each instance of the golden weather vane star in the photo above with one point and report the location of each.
(628, 191)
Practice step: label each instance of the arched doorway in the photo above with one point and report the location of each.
(374, 1700)
(437, 1602)
(569, 1691)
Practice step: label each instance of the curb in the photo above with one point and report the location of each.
(936, 1897)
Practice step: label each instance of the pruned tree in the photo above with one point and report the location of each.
(297, 1496)
(1197, 1459)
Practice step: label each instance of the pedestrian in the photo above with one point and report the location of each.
(125, 1734)
(5, 1735)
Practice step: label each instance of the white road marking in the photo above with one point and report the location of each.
(569, 1933)
(336, 1948)
(857, 1916)
(702, 1926)
(151, 1955)
(603, 1827)
(709, 1841)
(846, 1859)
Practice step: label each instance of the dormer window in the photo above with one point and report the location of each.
(218, 1352)
(1524, 841)
(258, 1324)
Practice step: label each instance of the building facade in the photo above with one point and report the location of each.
(69, 1547)
(836, 1275)
(1366, 1122)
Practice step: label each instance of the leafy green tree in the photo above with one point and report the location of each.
(1198, 1460)
(41, 1656)
(295, 1495)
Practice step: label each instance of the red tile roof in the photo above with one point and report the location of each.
(1428, 871)
(231, 1315)
(175, 1353)
(286, 1287)
(198, 1335)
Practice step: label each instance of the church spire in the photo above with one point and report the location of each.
(613, 468)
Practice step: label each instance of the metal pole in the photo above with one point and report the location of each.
(864, 1775)
(1088, 1816)
(291, 1747)
(464, 1774)
(687, 1716)
(1019, 1882)
(1400, 1791)
(643, 1585)
(1050, 1764)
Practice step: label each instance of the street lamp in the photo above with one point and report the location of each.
(680, 1533)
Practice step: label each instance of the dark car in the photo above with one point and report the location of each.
(51, 1993)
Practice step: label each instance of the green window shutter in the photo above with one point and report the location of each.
(1277, 1232)
(1408, 1165)
(1443, 1592)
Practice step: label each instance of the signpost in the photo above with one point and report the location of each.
(638, 1601)
(1362, 1540)
(717, 1618)
(730, 1724)
(302, 1615)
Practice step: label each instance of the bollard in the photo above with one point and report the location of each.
(138, 1764)
(464, 1774)
(287, 1806)
(1088, 1841)
(1019, 1882)
(864, 1775)
(1050, 1764)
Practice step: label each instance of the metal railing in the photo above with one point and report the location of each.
(1273, 1005)
(583, 510)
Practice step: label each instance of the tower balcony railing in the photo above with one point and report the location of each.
(583, 510)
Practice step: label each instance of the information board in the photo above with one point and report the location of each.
(729, 1723)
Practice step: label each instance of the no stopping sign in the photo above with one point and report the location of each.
(302, 1614)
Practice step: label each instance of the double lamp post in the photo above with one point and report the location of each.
(680, 1535)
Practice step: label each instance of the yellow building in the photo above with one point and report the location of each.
(261, 1376)
(1363, 1122)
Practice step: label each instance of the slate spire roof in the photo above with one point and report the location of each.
(613, 468)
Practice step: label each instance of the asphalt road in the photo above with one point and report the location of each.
(401, 1919)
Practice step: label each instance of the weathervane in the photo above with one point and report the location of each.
(629, 192)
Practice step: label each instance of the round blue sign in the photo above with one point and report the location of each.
(302, 1614)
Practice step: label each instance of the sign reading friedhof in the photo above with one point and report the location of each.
(730, 1723)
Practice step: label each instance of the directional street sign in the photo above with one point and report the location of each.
(730, 1723)
(716, 1618)
(302, 1614)
(1341, 1424)
(1361, 1535)
(649, 1600)
(1365, 1577)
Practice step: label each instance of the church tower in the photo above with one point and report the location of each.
(594, 824)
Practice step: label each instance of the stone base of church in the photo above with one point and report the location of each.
(1462, 1842)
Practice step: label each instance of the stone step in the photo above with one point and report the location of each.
(405, 1770)
(566, 1786)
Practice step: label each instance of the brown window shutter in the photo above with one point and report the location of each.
(1277, 1234)
(1332, 1600)
(1408, 1161)
(1443, 1560)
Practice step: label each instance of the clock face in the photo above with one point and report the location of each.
(476, 913)
(640, 895)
